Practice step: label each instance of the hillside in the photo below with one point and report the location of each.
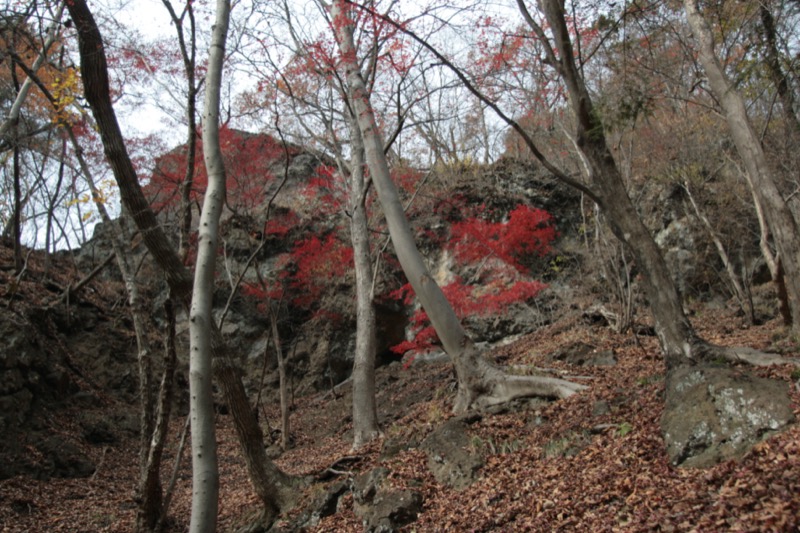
(593, 462)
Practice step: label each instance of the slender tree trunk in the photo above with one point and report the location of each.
(17, 211)
(677, 337)
(776, 74)
(149, 489)
(94, 74)
(51, 208)
(773, 263)
(479, 382)
(205, 473)
(152, 504)
(16, 108)
(283, 384)
(16, 214)
(782, 223)
(365, 414)
(188, 54)
(188, 181)
(736, 286)
(272, 485)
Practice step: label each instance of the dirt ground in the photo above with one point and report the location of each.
(593, 462)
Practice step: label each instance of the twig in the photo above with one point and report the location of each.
(173, 479)
(100, 464)
(253, 255)
(86, 279)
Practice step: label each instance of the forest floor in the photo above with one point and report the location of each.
(562, 466)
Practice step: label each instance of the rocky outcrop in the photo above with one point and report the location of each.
(717, 413)
(449, 456)
(383, 508)
(581, 354)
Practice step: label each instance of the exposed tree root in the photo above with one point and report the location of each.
(495, 387)
(505, 388)
(743, 354)
(701, 351)
(482, 384)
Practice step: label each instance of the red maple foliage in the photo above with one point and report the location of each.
(527, 232)
(320, 263)
(501, 250)
(248, 159)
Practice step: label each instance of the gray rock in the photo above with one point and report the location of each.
(383, 509)
(448, 454)
(97, 429)
(64, 459)
(716, 413)
(324, 504)
(582, 354)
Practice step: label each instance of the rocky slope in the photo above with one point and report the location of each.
(597, 461)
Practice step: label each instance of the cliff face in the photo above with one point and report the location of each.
(67, 369)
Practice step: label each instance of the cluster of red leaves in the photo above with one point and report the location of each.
(313, 268)
(325, 191)
(502, 249)
(527, 232)
(320, 262)
(407, 179)
(247, 162)
(467, 301)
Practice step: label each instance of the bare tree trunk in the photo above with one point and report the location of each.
(736, 286)
(149, 489)
(205, 472)
(268, 481)
(17, 210)
(153, 504)
(677, 337)
(776, 74)
(188, 54)
(479, 382)
(365, 413)
(51, 207)
(16, 213)
(282, 381)
(782, 223)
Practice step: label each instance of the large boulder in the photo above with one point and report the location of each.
(381, 507)
(62, 458)
(715, 413)
(449, 456)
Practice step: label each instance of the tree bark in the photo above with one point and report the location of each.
(782, 223)
(677, 338)
(94, 73)
(205, 471)
(365, 413)
(267, 479)
(776, 73)
(479, 382)
(283, 385)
